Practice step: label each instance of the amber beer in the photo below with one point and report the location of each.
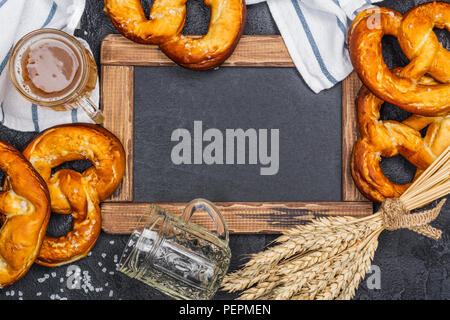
(52, 69)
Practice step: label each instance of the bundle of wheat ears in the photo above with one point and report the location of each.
(327, 258)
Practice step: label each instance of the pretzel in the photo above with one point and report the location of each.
(390, 138)
(414, 32)
(166, 22)
(25, 205)
(76, 193)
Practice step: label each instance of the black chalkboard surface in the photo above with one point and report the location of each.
(231, 98)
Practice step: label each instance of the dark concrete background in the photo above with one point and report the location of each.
(412, 267)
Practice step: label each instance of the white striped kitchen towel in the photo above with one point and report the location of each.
(17, 18)
(315, 33)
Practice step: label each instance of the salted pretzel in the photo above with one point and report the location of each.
(76, 193)
(25, 211)
(415, 35)
(390, 138)
(166, 22)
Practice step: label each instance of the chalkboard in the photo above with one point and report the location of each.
(169, 98)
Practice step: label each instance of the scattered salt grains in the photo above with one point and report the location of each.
(84, 281)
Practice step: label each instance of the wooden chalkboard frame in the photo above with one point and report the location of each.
(118, 58)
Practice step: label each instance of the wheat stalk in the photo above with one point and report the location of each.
(328, 258)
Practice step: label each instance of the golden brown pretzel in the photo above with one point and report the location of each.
(390, 138)
(25, 204)
(420, 44)
(415, 35)
(72, 192)
(166, 21)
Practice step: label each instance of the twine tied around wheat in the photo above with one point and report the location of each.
(327, 258)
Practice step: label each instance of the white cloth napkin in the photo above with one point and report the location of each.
(315, 34)
(17, 18)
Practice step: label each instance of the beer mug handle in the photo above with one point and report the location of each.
(214, 213)
(90, 108)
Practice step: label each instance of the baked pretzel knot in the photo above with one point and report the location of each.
(415, 35)
(390, 138)
(76, 193)
(25, 211)
(166, 21)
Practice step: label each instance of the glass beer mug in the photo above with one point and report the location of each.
(177, 256)
(52, 69)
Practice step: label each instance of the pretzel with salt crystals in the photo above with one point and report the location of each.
(166, 21)
(415, 35)
(25, 211)
(76, 193)
(390, 138)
